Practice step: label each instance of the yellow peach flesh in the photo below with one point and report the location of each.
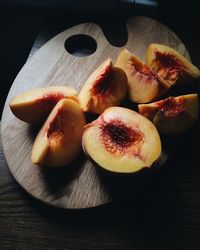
(143, 83)
(105, 87)
(35, 105)
(59, 140)
(115, 155)
(170, 64)
(173, 115)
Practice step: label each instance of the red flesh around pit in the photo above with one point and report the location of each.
(49, 100)
(171, 106)
(168, 66)
(103, 83)
(120, 138)
(56, 127)
(167, 60)
(143, 70)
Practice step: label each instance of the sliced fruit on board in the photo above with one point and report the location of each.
(59, 141)
(170, 64)
(122, 141)
(172, 115)
(105, 87)
(34, 105)
(144, 85)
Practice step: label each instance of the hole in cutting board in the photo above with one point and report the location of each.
(80, 45)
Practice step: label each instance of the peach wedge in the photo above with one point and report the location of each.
(144, 85)
(59, 141)
(34, 105)
(122, 141)
(170, 64)
(172, 115)
(105, 87)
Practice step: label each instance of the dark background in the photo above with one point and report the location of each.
(166, 215)
(20, 25)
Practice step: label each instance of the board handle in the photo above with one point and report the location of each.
(89, 35)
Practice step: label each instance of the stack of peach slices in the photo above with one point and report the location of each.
(120, 140)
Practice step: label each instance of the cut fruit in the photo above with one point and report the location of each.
(34, 106)
(170, 64)
(122, 141)
(172, 115)
(59, 141)
(144, 85)
(105, 87)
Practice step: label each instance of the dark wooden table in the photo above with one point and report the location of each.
(164, 214)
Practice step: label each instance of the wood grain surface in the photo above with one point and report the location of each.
(79, 185)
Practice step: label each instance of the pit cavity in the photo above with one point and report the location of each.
(55, 128)
(144, 70)
(118, 137)
(103, 83)
(172, 106)
(168, 60)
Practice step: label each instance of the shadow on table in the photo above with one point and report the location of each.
(148, 202)
(157, 198)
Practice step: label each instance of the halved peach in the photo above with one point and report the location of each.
(34, 105)
(144, 85)
(59, 141)
(122, 141)
(105, 87)
(172, 115)
(170, 64)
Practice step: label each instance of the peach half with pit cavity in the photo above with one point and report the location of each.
(144, 85)
(33, 106)
(169, 64)
(59, 141)
(122, 141)
(172, 115)
(105, 87)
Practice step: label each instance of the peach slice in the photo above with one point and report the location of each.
(59, 141)
(122, 141)
(34, 106)
(170, 64)
(105, 87)
(172, 115)
(144, 85)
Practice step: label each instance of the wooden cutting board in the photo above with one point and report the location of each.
(79, 185)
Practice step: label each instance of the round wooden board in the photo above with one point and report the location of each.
(80, 185)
